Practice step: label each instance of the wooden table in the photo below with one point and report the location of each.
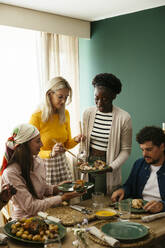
(157, 230)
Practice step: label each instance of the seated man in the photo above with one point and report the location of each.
(147, 178)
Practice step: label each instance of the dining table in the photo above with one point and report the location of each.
(154, 239)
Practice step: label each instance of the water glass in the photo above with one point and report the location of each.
(124, 210)
(98, 200)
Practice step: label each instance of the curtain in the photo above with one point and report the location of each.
(58, 56)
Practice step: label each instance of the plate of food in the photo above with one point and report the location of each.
(136, 205)
(125, 230)
(95, 167)
(34, 230)
(78, 185)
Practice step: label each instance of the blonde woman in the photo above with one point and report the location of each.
(53, 122)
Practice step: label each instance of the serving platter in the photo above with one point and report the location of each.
(7, 231)
(125, 230)
(92, 170)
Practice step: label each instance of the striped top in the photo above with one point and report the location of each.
(100, 132)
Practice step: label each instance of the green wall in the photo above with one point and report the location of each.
(133, 48)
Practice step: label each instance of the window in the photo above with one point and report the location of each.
(19, 79)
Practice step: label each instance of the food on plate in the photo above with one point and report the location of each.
(85, 166)
(34, 229)
(137, 203)
(97, 165)
(79, 185)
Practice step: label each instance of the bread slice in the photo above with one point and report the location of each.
(137, 203)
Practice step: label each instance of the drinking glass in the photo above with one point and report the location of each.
(98, 200)
(124, 210)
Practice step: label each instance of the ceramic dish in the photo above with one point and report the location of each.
(134, 210)
(7, 231)
(105, 214)
(125, 230)
(69, 187)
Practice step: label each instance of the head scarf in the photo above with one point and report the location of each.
(20, 135)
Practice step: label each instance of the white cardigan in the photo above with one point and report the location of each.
(119, 145)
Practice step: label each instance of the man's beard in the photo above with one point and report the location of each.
(153, 161)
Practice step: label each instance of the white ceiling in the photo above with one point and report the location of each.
(89, 10)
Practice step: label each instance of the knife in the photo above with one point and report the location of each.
(81, 209)
(48, 217)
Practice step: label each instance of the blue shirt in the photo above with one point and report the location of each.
(138, 177)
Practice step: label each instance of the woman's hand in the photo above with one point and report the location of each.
(70, 195)
(153, 207)
(7, 192)
(80, 138)
(57, 149)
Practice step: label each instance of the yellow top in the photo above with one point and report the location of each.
(53, 130)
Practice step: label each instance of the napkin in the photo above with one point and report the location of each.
(77, 207)
(151, 217)
(48, 217)
(99, 234)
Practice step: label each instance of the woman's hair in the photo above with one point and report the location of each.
(23, 157)
(55, 84)
(151, 133)
(108, 80)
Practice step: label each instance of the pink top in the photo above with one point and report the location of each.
(24, 204)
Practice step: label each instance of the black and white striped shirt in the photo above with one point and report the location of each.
(100, 132)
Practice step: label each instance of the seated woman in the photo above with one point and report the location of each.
(26, 172)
